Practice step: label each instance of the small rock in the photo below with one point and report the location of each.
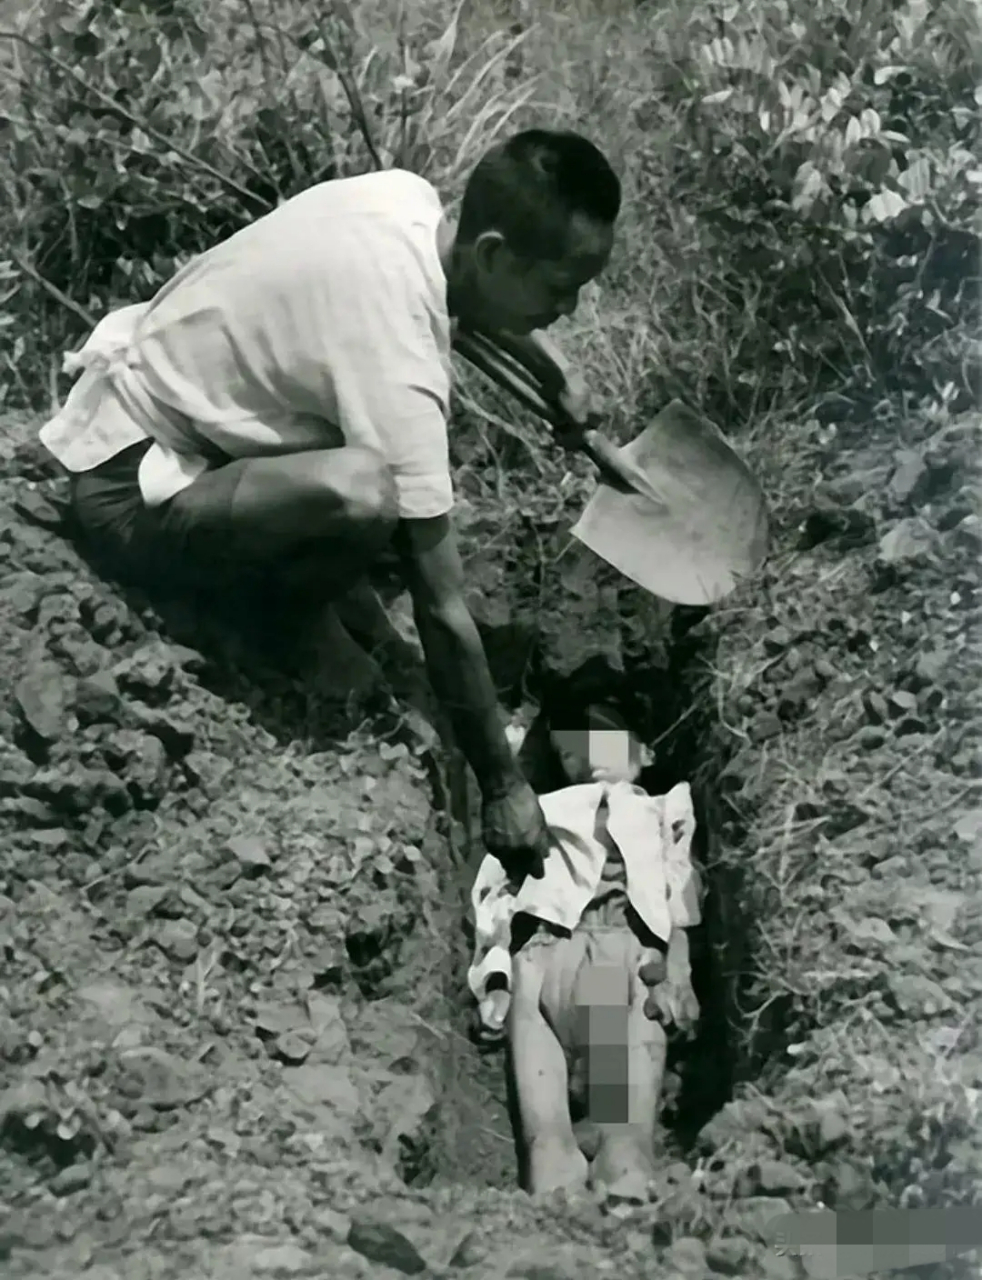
(775, 1176)
(147, 674)
(75, 1178)
(968, 828)
(42, 698)
(468, 1253)
(178, 939)
(278, 1018)
(250, 853)
(832, 1129)
(331, 1223)
(968, 532)
(929, 667)
(729, 1256)
(909, 476)
(98, 700)
(145, 766)
(777, 640)
(37, 510)
(892, 868)
(327, 1024)
(902, 701)
(165, 1081)
(176, 735)
(323, 1085)
(383, 1244)
(327, 966)
(293, 1047)
(876, 706)
(849, 1187)
(908, 540)
(207, 770)
(145, 899)
(757, 1216)
(22, 594)
(285, 1259)
(688, 1256)
(51, 839)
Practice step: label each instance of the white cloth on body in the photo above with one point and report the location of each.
(324, 322)
(654, 837)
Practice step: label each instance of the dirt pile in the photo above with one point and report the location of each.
(232, 990)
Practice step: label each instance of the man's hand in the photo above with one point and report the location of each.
(515, 832)
(578, 401)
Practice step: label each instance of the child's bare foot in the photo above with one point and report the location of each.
(555, 1166)
(624, 1168)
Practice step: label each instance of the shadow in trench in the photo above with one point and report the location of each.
(674, 706)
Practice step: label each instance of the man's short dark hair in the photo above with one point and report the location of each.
(529, 187)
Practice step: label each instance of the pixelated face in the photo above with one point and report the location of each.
(519, 296)
(598, 755)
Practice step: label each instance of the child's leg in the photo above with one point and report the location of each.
(626, 1066)
(541, 1081)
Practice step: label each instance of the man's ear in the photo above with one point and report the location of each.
(487, 250)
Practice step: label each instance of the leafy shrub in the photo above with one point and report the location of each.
(139, 134)
(828, 157)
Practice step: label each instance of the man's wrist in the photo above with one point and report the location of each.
(501, 783)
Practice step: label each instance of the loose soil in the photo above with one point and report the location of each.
(233, 1020)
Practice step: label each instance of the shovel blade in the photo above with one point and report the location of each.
(707, 535)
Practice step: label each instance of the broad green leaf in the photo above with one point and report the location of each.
(916, 179)
(884, 206)
(883, 74)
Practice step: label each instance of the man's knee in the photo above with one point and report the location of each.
(364, 480)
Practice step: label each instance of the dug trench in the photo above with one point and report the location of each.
(231, 917)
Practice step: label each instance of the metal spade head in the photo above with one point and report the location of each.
(708, 530)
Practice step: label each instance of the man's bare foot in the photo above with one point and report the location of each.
(556, 1166)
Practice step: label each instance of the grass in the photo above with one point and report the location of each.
(798, 257)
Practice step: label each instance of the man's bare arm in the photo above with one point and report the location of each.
(455, 658)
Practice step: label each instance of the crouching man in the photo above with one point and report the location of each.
(584, 970)
(279, 409)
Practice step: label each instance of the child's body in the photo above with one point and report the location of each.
(577, 958)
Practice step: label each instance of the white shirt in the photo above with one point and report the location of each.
(323, 322)
(654, 836)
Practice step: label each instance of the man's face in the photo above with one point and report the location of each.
(516, 295)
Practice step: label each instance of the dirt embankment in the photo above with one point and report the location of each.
(233, 1002)
(232, 1008)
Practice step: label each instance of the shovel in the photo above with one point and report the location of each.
(677, 510)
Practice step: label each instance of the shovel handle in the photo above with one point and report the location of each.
(503, 366)
(606, 457)
(506, 370)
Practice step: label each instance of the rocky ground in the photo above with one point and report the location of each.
(232, 1012)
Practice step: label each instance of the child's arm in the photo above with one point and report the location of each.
(671, 999)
